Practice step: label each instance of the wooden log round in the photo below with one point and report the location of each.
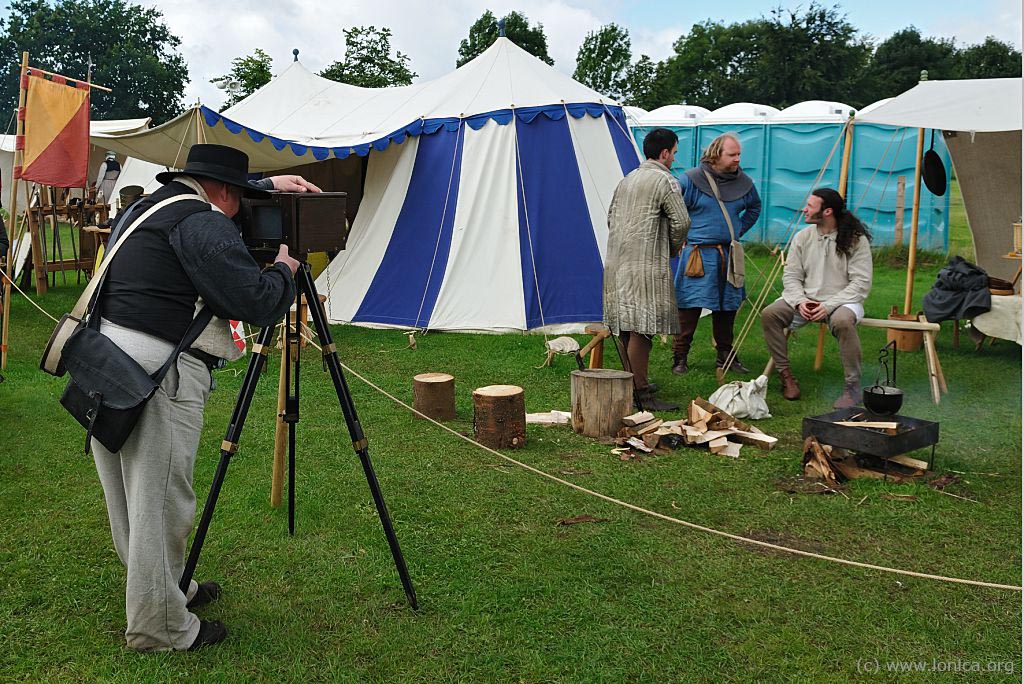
(600, 398)
(499, 416)
(433, 394)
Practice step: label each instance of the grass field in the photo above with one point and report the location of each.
(506, 593)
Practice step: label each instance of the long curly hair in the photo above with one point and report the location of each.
(849, 226)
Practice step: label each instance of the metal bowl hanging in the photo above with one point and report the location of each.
(933, 170)
(887, 399)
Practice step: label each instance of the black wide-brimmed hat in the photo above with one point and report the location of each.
(219, 162)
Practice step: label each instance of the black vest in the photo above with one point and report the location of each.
(146, 288)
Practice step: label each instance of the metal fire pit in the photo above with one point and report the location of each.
(911, 434)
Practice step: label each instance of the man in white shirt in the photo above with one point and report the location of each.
(826, 280)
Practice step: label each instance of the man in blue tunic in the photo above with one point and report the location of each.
(700, 280)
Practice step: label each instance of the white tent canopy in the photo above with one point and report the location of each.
(482, 200)
(980, 105)
(300, 118)
(981, 124)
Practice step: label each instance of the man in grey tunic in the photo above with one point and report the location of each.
(826, 279)
(647, 223)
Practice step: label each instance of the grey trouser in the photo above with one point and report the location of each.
(148, 491)
(779, 316)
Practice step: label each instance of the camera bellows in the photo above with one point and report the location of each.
(499, 416)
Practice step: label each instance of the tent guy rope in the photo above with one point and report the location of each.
(668, 518)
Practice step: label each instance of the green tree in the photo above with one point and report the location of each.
(641, 78)
(786, 57)
(368, 62)
(603, 61)
(990, 59)
(248, 74)
(131, 48)
(711, 67)
(484, 32)
(898, 61)
(813, 55)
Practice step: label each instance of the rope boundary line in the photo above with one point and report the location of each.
(668, 518)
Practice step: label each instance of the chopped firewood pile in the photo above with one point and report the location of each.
(834, 465)
(705, 426)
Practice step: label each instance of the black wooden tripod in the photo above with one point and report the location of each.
(304, 287)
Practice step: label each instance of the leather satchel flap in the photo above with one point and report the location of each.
(99, 365)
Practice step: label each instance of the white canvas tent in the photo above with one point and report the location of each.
(981, 124)
(482, 195)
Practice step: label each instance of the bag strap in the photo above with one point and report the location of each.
(194, 330)
(725, 212)
(83, 302)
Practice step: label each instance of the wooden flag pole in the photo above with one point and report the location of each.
(18, 155)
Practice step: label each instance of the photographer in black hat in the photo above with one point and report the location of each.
(186, 251)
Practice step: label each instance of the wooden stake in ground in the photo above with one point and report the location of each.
(600, 399)
(499, 416)
(18, 155)
(281, 426)
(433, 394)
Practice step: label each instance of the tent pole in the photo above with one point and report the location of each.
(844, 175)
(914, 214)
(18, 154)
(844, 169)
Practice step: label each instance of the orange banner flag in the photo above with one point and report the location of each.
(56, 140)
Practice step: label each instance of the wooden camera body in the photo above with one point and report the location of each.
(305, 221)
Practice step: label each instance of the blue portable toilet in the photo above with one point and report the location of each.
(800, 139)
(749, 122)
(681, 119)
(881, 154)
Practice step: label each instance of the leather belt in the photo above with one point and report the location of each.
(212, 362)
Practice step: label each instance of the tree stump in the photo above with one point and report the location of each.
(433, 394)
(600, 398)
(499, 416)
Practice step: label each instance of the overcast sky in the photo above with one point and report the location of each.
(214, 33)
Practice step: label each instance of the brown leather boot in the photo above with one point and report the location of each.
(850, 397)
(790, 387)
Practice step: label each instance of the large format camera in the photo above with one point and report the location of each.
(305, 221)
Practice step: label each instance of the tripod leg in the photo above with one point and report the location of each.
(355, 430)
(227, 450)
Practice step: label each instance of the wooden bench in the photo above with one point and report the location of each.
(936, 378)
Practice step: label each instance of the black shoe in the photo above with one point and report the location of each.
(736, 366)
(208, 592)
(210, 632)
(679, 367)
(649, 389)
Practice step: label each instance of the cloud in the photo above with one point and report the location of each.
(213, 34)
(1001, 19)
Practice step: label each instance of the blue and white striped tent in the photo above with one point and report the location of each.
(486, 191)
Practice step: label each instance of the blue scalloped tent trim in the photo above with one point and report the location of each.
(420, 127)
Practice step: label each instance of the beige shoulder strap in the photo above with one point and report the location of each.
(97, 276)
